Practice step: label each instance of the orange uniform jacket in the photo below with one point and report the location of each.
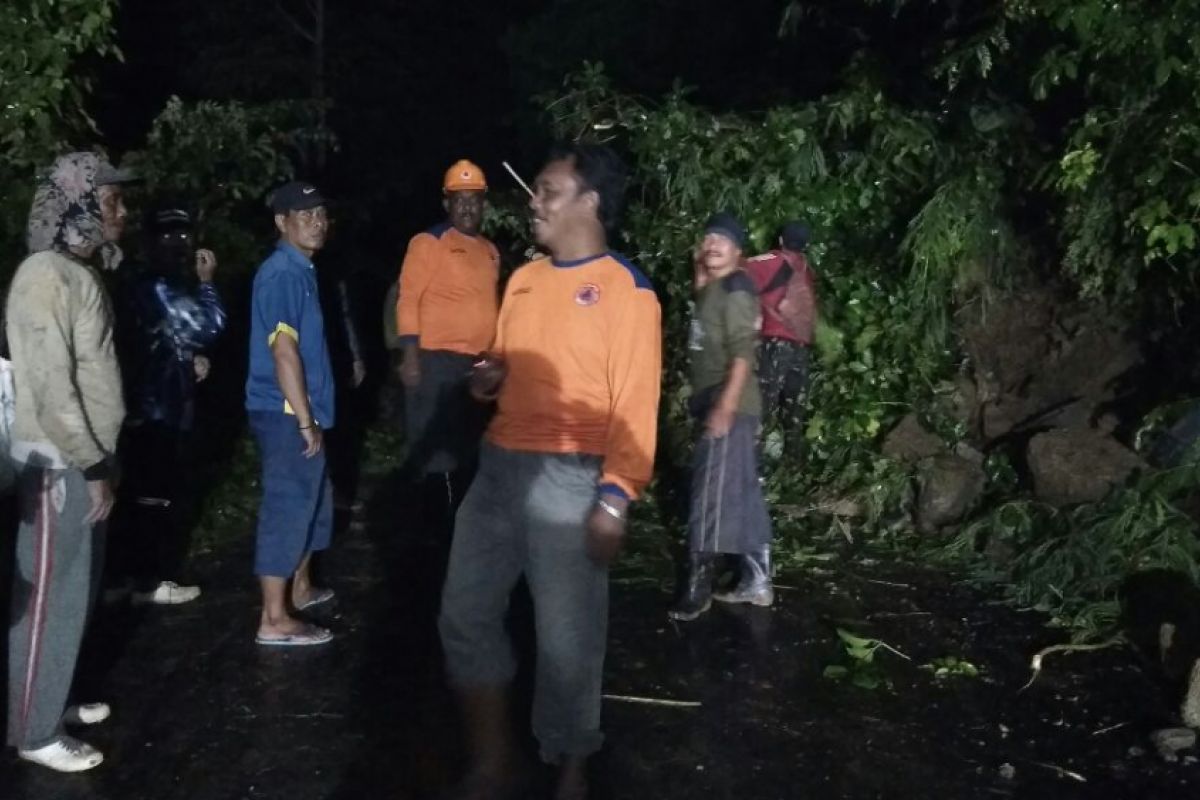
(448, 291)
(583, 344)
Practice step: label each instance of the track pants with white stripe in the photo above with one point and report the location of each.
(59, 563)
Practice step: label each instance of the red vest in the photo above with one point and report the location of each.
(764, 271)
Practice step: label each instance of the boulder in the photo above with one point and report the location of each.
(949, 485)
(1040, 361)
(910, 442)
(1078, 465)
(1007, 340)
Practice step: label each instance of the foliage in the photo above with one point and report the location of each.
(43, 93)
(1070, 562)
(1130, 68)
(1092, 82)
(222, 160)
(951, 667)
(860, 667)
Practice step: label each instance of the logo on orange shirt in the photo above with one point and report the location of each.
(587, 295)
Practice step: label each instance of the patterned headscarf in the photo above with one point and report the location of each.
(66, 208)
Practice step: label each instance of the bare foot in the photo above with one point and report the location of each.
(310, 596)
(301, 591)
(285, 626)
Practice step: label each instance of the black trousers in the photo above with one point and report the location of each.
(783, 379)
(151, 522)
(444, 424)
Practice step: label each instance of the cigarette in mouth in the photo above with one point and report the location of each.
(517, 177)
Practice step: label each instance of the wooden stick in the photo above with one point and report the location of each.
(1062, 773)
(1111, 728)
(1035, 663)
(517, 178)
(651, 701)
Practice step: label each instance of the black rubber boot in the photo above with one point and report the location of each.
(697, 592)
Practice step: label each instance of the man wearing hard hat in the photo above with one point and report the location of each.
(446, 316)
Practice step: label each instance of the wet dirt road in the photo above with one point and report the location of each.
(201, 713)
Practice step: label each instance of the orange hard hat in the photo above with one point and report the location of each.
(464, 176)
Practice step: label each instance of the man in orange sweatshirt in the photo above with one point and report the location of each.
(445, 317)
(571, 445)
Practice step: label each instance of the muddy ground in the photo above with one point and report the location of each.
(201, 713)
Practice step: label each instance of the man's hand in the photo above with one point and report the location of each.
(206, 265)
(699, 271)
(359, 373)
(719, 422)
(201, 366)
(606, 532)
(487, 376)
(314, 439)
(101, 492)
(410, 367)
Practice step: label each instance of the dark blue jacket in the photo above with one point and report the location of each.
(165, 324)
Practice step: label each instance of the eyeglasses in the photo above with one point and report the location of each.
(311, 216)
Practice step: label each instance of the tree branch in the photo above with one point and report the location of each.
(296, 26)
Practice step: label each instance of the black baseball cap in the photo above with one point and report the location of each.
(295, 196)
(171, 218)
(794, 235)
(727, 225)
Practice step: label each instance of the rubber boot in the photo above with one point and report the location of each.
(754, 585)
(697, 591)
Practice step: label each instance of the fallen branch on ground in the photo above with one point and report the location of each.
(651, 701)
(1062, 773)
(1036, 662)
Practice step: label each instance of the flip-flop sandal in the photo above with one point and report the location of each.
(311, 636)
(318, 597)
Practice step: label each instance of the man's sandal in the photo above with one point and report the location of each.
(310, 635)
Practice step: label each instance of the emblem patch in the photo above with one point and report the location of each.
(587, 295)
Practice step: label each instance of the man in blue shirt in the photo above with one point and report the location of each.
(289, 397)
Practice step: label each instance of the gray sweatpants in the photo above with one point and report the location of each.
(59, 563)
(525, 513)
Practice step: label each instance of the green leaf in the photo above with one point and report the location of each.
(835, 672)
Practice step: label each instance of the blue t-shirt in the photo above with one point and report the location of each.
(285, 303)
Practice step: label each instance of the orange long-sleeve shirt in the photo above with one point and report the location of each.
(583, 344)
(448, 291)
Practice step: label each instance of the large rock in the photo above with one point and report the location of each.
(1008, 340)
(948, 486)
(910, 442)
(1041, 362)
(1078, 465)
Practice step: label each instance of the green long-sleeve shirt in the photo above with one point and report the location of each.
(725, 326)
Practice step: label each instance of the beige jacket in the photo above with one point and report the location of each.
(68, 386)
